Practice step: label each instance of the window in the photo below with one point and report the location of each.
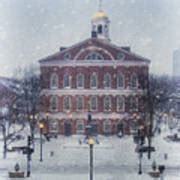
(93, 81)
(120, 56)
(79, 126)
(100, 29)
(93, 103)
(120, 103)
(54, 126)
(107, 103)
(67, 81)
(54, 103)
(54, 81)
(107, 80)
(67, 56)
(134, 81)
(133, 104)
(80, 81)
(67, 103)
(94, 56)
(80, 103)
(120, 81)
(107, 126)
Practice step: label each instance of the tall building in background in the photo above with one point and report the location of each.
(94, 77)
(176, 63)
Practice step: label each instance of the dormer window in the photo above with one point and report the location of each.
(120, 56)
(94, 56)
(67, 56)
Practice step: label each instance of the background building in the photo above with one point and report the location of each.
(176, 63)
(94, 76)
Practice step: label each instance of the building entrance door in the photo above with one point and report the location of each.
(67, 129)
(120, 128)
(94, 128)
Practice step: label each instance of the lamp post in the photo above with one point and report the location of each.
(47, 123)
(4, 112)
(41, 126)
(140, 143)
(91, 143)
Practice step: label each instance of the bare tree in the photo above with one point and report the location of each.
(29, 99)
(159, 90)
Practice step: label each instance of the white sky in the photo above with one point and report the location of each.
(33, 29)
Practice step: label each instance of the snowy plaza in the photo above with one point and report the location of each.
(114, 159)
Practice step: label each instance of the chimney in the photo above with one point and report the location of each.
(126, 48)
(62, 48)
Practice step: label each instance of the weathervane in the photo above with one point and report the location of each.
(100, 5)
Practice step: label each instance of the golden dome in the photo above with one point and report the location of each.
(100, 15)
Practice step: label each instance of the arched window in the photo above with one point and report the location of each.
(107, 80)
(80, 80)
(94, 81)
(67, 81)
(94, 103)
(80, 127)
(94, 56)
(67, 103)
(80, 103)
(54, 103)
(120, 81)
(54, 126)
(134, 81)
(107, 126)
(133, 103)
(120, 103)
(54, 81)
(107, 103)
(100, 29)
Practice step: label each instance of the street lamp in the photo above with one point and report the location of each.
(140, 139)
(41, 126)
(91, 143)
(4, 113)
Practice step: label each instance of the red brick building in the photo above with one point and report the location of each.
(94, 76)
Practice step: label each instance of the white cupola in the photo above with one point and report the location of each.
(100, 26)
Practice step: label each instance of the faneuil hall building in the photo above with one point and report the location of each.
(94, 78)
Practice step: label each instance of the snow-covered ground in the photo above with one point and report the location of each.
(114, 159)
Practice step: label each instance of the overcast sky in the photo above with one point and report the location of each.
(33, 29)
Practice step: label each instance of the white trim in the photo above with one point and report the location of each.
(84, 115)
(98, 92)
(101, 63)
(94, 48)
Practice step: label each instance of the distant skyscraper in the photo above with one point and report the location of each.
(176, 63)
